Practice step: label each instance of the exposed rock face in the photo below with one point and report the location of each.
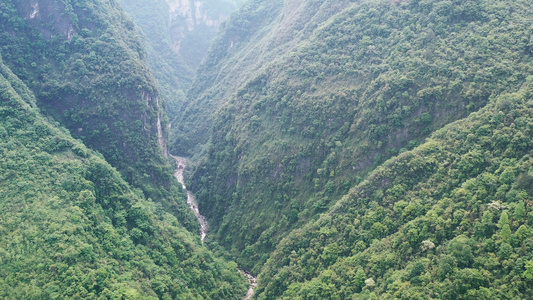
(41, 12)
(177, 34)
(160, 134)
(193, 24)
(189, 14)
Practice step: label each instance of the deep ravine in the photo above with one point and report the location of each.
(178, 173)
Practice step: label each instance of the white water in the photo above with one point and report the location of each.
(182, 164)
(253, 282)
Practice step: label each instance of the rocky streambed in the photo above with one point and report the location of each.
(178, 173)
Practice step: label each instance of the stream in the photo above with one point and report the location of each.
(253, 282)
(178, 173)
(182, 163)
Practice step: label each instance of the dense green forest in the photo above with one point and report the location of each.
(450, 219)
(339, 149)
(345, 90)
(81, 224)
(85, 64)
(327, 155)
(71, 227)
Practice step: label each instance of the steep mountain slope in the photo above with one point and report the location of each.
(85, 64)
(450, 219)
(308, 97)
(259, 33)
(177, 35)
(72, 228)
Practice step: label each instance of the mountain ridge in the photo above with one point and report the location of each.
(85, 64)
(433, 200)
(339, 150)
(76, 223)
(370, 82)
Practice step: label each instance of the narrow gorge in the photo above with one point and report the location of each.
(339, 149)
(181, 164)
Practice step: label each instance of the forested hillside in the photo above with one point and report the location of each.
(72, 228)
(339, 149)
(85, 63)
(309, 97)
(259, 33)
(450, 219)
(73, 79)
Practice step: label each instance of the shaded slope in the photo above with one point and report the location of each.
(85, 64)
(342, 92)
(260, 33)
(71, 227)
(448, 220)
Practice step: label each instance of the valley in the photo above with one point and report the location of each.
(253, 149)
(181, 164)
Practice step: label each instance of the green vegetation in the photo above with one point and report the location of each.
(316, 96)
(450, 219)
(342, 149)
(85, 64)
(173, 73)
(71, 227)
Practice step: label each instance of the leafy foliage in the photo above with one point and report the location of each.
(85, 64)
(71, 227)
(478, 221)
(311, 98)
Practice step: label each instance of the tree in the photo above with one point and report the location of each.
(505, 251)
(461, 248)
(506, 233)
(417, 269)
(504, 220)
(520, 211)
(528, 273)
(331, 253)
(447, 266)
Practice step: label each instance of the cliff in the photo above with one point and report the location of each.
(86, 65)
(177, 35)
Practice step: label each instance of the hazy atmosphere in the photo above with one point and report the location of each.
(266, 149)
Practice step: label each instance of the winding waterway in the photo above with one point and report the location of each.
(178, 173)
(182, 163)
